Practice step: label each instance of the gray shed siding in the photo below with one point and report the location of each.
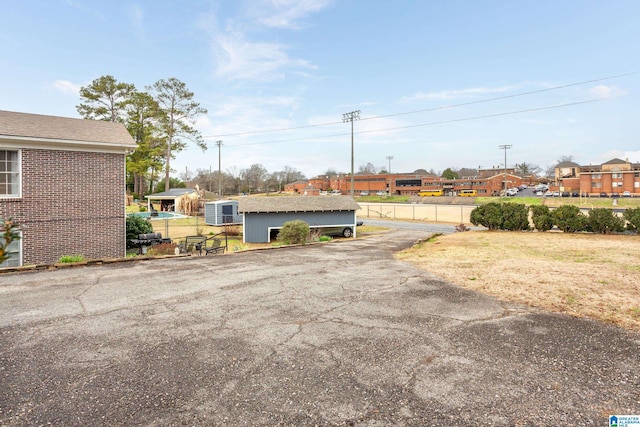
(214, 213)
(258, 225)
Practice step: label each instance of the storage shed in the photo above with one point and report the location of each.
(263, 217)
(222, 212)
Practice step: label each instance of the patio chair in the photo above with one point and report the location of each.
(213, 245)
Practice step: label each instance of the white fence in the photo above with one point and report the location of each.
(419, 212)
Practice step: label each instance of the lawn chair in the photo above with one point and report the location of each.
(213, 246)
(192, 244)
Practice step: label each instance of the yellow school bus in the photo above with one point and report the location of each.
(430, 193)
(468, 193)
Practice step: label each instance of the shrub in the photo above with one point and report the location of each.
(9, 231)
(633, 219)
(604, 221)
(142, 208)
(137, 225)
(65, 259)
(501, 216)
(232, 230)
(294, 232)
(325, 238)
(488, 215)
(569, 219)
(163, 249)
(541, 217)
(515, 217)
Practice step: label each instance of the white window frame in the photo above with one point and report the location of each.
(17, 194)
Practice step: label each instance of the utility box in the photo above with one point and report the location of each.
(222, 212)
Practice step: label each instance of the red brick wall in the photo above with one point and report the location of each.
(72, 203)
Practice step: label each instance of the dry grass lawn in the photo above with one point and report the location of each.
(593, 276)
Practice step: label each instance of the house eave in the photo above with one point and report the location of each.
(18, 142)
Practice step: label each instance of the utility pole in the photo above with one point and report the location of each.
(389, 158)
(219, 144)
(350, 117)
(505, 148)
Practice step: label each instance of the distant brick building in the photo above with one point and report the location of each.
(63, 181)
(486, 183)
(614, 176)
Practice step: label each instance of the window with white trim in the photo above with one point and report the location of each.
(9, 173)
(13, 252)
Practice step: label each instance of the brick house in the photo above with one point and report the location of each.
(296, 187)
(63, 181)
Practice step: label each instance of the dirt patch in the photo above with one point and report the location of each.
(593, 276)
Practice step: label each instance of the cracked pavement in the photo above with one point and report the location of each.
(338, 334)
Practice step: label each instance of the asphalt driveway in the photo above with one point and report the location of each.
(337, 334)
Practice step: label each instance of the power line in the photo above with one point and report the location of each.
(464, 104)
(443, 107)
(486, 116)
(528, 110)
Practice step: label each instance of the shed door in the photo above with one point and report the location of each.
(227, 214)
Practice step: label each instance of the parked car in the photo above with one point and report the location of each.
(575, 194)
(603, 194)
(364, 193)
(615, 194)
(626, 194)
(539, 193)
(565, 194)
(556, 194)
(334, 231)
(511, 192)
(381, 193)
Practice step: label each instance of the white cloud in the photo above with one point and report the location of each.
(246, 114)
(287, 13)
(633, 156)
(136, 16)
(66, 87)
(240, 59)
(458, 93)
(606, 92)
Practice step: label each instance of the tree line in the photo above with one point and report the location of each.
(160, 119)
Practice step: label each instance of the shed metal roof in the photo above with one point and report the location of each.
(297, 204)
(170, 194)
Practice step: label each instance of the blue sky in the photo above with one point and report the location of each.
(297, 66)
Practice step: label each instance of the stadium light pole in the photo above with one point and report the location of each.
(505, 148)
(350, 117)
(389, 158)
(219, 144)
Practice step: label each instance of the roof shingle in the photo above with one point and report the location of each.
(25, 125)
(297, 204)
